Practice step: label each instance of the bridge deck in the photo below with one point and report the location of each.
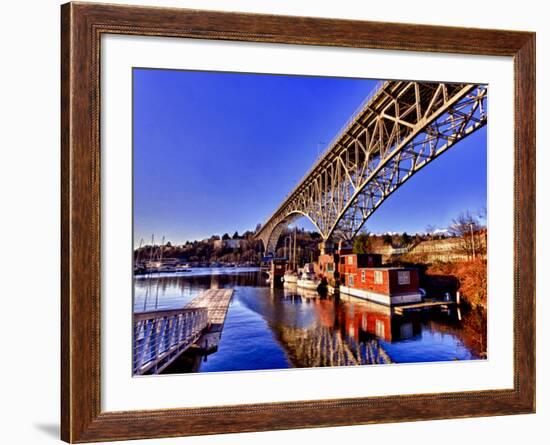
(160, 337)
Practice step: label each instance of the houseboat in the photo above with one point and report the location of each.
(329, 266)
(385, 285)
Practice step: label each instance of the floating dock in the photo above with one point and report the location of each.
(160, 337)
(401, 309)
(217, 302)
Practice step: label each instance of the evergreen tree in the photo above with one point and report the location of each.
(362, 243)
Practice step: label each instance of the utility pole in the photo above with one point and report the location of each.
(473, 243)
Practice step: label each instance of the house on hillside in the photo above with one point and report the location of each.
(227, 244)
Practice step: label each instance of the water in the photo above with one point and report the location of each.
(282, 328)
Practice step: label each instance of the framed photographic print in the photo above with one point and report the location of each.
(277, 222)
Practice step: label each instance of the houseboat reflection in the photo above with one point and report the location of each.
(355, 318)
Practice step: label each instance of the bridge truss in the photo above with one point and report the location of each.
(398, 131)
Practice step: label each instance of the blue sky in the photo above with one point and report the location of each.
(218, 152)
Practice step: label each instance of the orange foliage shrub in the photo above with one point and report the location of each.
(471, 276)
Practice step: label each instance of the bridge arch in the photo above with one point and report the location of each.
(398, 131)
(270, 235)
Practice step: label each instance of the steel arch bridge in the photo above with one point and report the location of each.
(396, 132)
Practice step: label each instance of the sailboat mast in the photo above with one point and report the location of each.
(152, 252)
(294, 256)
(136, 261)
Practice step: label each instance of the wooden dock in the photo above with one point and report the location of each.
(217, 302)
(401, 309)
(160, 337)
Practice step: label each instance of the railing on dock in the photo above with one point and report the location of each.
(161, 336)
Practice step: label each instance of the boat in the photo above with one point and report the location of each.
(307, 278)
(162, 265)
(290, 277)
(140, 269)
(292, 291)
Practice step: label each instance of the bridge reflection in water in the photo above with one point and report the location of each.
(334, 338)
(284, 328)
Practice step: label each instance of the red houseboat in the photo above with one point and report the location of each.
(363, 276)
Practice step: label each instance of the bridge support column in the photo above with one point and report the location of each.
(278, 268)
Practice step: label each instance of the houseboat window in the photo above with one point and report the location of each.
(363, 276)
(350, 260)
(350, 280)
(403, 277)
(378, 277)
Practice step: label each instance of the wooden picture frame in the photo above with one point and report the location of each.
(82, 26)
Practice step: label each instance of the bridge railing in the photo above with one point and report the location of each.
(353, 116)
(160, 336)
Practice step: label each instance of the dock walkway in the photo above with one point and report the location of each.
(160, 337)
(216, 301)
(424, 305)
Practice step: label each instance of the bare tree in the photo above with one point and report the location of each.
(467, 227)
(482, 213)
(430, 229)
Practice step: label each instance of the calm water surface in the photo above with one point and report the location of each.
(283, 328)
